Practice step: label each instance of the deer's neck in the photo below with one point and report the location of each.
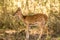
(21, 17)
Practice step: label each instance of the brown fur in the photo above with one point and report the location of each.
(35, 18)
(39, 19)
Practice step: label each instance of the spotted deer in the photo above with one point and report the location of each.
(36, 19)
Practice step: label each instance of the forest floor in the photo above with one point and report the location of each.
(16, 35)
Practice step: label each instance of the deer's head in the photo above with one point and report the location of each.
(19, 13)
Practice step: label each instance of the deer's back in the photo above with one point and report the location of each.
(35, 18)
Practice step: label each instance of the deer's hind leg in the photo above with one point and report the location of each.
(40, 31)
(40, 34)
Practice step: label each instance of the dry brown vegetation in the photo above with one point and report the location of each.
(13, 28)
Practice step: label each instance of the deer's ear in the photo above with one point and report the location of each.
(19, 9)
(16, 11)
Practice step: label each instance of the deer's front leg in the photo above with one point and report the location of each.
(27, 31)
